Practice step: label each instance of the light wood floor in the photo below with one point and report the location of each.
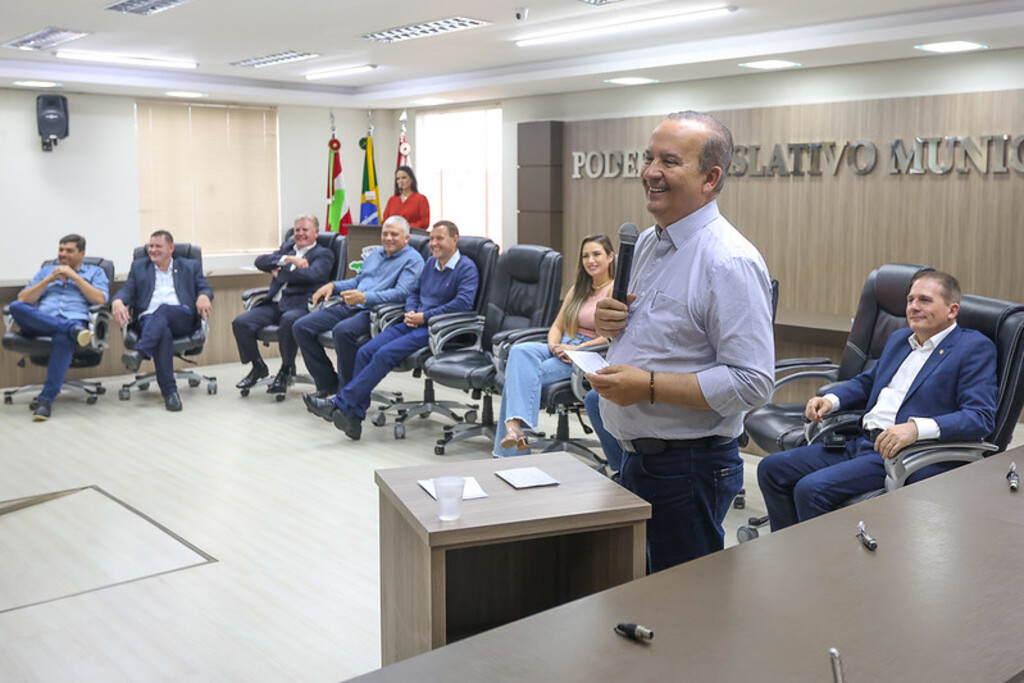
(284, 503)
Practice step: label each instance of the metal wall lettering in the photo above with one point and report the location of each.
(923, 155)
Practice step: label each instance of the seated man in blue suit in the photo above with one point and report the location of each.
(167, 296)
(56, 304)
(448, 284)
(299, 268)
(933, 381)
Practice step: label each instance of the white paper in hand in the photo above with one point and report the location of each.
(587, 361)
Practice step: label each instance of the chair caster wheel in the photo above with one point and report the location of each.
(470, 416)
(280, 397)
(245, 392)
(211, 388)
(745, 533)
(33, 404)
(144, 386)
(740, 503)
(101, 390)
(193, 383)
(124, 394)
(379, 420)
(439, 450)
(91, 399)
(8, 400)
(399, 431)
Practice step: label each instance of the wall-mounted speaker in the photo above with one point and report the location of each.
(52, 118)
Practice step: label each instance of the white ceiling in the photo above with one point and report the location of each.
(476, 65)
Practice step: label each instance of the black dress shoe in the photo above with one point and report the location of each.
(42, 410)
(172, 402)
(132, 360)
(82, 336)
(280, 383)
(351, 425)
(258, 372)
(321, 407)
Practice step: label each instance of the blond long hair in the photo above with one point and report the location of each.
(583, 289)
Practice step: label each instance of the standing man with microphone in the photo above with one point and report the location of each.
(692, 346)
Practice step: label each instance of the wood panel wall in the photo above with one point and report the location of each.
(821, 235)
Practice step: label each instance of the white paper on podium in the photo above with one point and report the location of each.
(587, 361)
(527, 477)
(471, 490)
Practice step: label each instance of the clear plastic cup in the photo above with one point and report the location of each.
(449, 497)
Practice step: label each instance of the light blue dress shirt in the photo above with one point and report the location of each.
(703, 306)
(63, 298)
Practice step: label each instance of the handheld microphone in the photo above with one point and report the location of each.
(628, 235)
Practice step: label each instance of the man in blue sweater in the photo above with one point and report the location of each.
(448, 285)
(387, 276)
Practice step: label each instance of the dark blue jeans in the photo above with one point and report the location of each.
(35, 323)
(690, 491)
(809, 481)
(374, 361)
(348, 324)
(157, 332)
(609, 444)
(247, 325)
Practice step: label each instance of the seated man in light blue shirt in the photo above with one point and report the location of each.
(388, 275)
(56, 304)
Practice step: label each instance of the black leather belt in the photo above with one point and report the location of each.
(659, 446)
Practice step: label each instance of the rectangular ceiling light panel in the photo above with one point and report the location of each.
(45, 39)
(430, 28)
(145, 7)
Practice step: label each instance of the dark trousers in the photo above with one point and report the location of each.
(805, 482)
(374, 361)
(690, 491)
(348, 325)
(248, 324)
(157, 332)
(35, 323)
(609, 444)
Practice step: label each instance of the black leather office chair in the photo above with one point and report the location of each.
(524, 294)
(184, 347)
(881, 311)
(338, 244)
(37, 349)
(484, 253)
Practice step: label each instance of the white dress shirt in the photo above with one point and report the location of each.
(163, 289)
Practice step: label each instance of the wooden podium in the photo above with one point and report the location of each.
(512, 554)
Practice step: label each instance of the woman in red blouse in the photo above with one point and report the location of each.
(408, 202)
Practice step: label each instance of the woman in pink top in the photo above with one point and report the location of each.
(407, 201)
(533, 365)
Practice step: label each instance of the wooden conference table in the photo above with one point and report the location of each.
(512, 554)
(939, 600)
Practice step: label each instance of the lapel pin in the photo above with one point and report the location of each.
(942, 351)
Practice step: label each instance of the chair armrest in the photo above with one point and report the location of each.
(794, 363)
(842, 422)
(383, 316)
(8, 319)
(921, 454)
(254, 297)
(100, 321)
(503, 341)
(456, 331)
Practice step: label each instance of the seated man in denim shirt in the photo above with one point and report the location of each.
(56, 304)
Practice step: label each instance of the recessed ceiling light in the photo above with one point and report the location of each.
(342, 71)
(769, 64)
(275, 59)
(630, 80)
(45, 39)
(951, 46)
(185, 93)
(431, 101)
(36, 84)
(123, 59)
(145, 7)
(429, 28)
(621, 26)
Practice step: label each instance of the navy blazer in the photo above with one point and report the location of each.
(189, 283)
(957, 387)
(302, 282)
